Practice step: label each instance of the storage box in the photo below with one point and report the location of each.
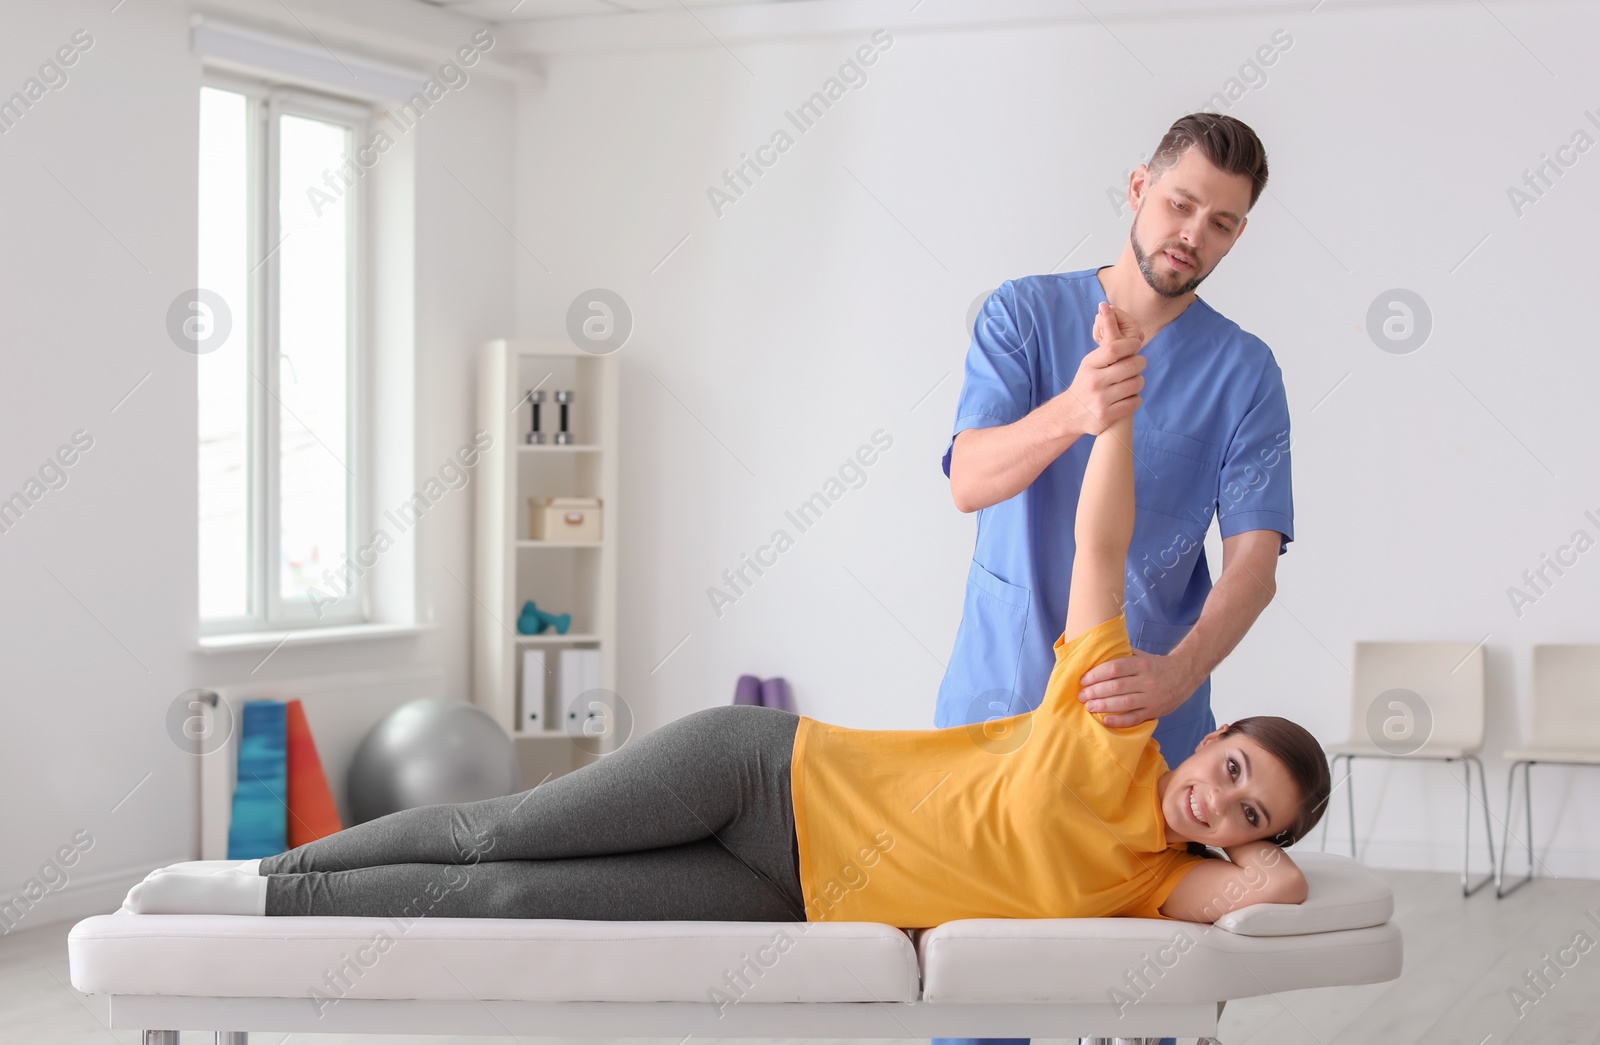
(564, 518)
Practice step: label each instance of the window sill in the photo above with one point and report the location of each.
(251, 640)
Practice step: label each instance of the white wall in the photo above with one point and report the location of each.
(828, 301)
(98, 629)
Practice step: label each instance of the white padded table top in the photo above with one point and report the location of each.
(1340, 935)
(1141, 959)
(234, 956)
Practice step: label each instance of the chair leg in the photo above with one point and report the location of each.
(160, 1037)
(1350, 797)
(1327, 813)
(1466, 852)
(1505, 845)
(1333, 772)
(1527, 797)
(233, 1037)
(1505, 835)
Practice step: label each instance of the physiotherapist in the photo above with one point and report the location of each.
(1212, 440)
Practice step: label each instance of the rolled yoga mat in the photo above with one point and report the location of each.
(748, 690)
(775, 694)
(258, 824)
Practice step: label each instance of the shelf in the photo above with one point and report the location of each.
(580, 579)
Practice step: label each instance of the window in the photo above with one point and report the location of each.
(280, 294)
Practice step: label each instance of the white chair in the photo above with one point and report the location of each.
(1418, 701)
(1566, 732)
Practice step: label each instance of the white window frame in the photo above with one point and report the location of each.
(268, 100)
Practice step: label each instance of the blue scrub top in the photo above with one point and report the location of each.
(1211, 437)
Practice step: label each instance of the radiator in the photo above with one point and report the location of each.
(340, 709)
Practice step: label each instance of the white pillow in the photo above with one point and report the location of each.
(1342, 894)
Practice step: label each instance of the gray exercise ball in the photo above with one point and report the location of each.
(430, 752)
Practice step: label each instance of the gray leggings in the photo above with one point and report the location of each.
(693, 821)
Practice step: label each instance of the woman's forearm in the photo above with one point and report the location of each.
(1105, 502)
(1274, 877)
(1103, 528)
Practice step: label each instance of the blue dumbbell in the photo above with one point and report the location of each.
(534, 621)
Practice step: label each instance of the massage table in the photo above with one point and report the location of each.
(1100, 978)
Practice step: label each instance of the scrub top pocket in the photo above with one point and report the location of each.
(1158, 638)
(1175, 475)
(981, 680)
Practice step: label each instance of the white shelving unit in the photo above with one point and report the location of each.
(576, 577)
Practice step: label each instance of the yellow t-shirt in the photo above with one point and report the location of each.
(1046, 814)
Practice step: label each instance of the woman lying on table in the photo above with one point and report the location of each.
(749, 813)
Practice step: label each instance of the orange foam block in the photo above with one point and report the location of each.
(312, 813)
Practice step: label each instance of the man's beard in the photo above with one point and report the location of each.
(1161, 282)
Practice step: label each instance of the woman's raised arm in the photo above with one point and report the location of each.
(1104, 526)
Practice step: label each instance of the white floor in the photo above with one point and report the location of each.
(1463, 958)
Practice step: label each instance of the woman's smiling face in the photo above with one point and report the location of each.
(1230, 791)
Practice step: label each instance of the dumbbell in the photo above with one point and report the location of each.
(534, 621)
(535, 437)
(564, 436)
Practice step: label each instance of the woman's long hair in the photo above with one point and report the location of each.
(1300, 753)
